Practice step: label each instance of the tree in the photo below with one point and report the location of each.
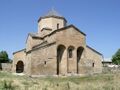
(116, 58)
(4, 57)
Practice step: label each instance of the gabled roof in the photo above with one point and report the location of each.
(34, 35)
(64, 28)
(45, 44)
(19, 51)
(94, 50)
(49, 29)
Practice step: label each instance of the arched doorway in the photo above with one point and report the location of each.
(60, 52)
(19, 67)
(79, 54)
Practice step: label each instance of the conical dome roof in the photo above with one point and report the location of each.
(52, 13)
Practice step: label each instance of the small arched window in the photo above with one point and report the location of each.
(58, 26)
(93, 64)
(70, 53)
(45, 62)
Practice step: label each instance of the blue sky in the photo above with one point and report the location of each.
(99, 19)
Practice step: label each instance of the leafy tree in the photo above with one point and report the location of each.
(116, 58)
(4, 57)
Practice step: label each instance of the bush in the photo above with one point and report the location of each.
(4, 57)
(116, 58)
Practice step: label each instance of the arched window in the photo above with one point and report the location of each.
(58, 26)
(93, 64)
(45, 62)
(70, 51)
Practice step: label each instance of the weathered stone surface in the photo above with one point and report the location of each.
(6, 67)
(58, 50)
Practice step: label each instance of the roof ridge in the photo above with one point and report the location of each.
(94, 50)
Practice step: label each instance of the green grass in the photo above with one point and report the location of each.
(95, 82)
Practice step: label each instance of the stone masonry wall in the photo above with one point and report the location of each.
(6, 67)
(44, 61)
(93, 57)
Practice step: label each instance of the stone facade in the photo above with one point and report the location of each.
(57, 49)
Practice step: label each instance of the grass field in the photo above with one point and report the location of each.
(95, 82)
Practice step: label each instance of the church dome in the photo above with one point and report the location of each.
(52, 21)
(52, 13)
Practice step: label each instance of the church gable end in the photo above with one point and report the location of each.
(70, 35)
(32, 40)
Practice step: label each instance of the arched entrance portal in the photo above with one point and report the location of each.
(60, 53)
(79, 54)
(19, 67)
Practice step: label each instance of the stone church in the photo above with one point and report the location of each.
(56, 49)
